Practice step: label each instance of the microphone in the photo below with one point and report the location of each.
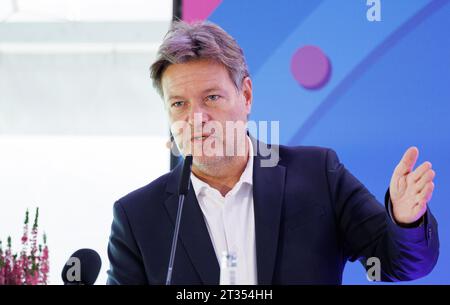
(182, 192)
(82, 268)
(185, 176)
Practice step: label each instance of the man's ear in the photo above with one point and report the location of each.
(247, 92)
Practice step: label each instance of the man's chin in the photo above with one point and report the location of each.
(209, 163)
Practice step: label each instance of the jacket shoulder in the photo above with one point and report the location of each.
(153, 192)
(290, 154)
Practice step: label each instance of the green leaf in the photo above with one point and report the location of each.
(36, 218)
(26, 217)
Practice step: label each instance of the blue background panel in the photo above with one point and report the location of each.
(389, 88)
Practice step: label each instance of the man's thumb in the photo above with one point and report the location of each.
(408, 161)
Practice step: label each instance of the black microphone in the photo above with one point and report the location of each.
(185, 176)
(182, 192)
(82, 268)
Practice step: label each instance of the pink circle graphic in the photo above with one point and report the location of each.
(310, 67)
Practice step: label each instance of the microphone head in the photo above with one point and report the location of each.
(185, 176)
(82, 268)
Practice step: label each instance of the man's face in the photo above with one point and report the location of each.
(201, 98)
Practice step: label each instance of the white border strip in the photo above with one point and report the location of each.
(76, 48)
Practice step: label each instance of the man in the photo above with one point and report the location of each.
(296, 221)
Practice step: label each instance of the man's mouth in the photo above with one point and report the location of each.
(201, 137)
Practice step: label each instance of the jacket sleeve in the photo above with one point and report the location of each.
(369, 232)
(126, 266)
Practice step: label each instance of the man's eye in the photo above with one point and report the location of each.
(177, 104)
(213, 97)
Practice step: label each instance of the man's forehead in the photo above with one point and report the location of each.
(182, 79)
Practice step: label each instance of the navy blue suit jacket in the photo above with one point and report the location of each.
(311, 216)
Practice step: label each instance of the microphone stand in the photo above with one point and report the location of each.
(182, 192)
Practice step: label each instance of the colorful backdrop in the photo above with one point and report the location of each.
(368, 89)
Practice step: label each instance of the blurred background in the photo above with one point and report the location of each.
(81, 125)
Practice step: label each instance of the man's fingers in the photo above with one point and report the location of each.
(427, 192)
(422, 169)
(427, 177)
(407, 162)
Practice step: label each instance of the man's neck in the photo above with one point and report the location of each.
(227, 176)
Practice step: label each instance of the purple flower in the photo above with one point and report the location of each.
(31, 266)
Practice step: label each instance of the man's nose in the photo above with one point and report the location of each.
(198, 116)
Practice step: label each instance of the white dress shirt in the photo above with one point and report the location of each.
(230, 221)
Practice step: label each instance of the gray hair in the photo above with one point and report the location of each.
(200, 40)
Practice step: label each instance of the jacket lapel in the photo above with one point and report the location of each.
(268, 191)
(194, 236)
